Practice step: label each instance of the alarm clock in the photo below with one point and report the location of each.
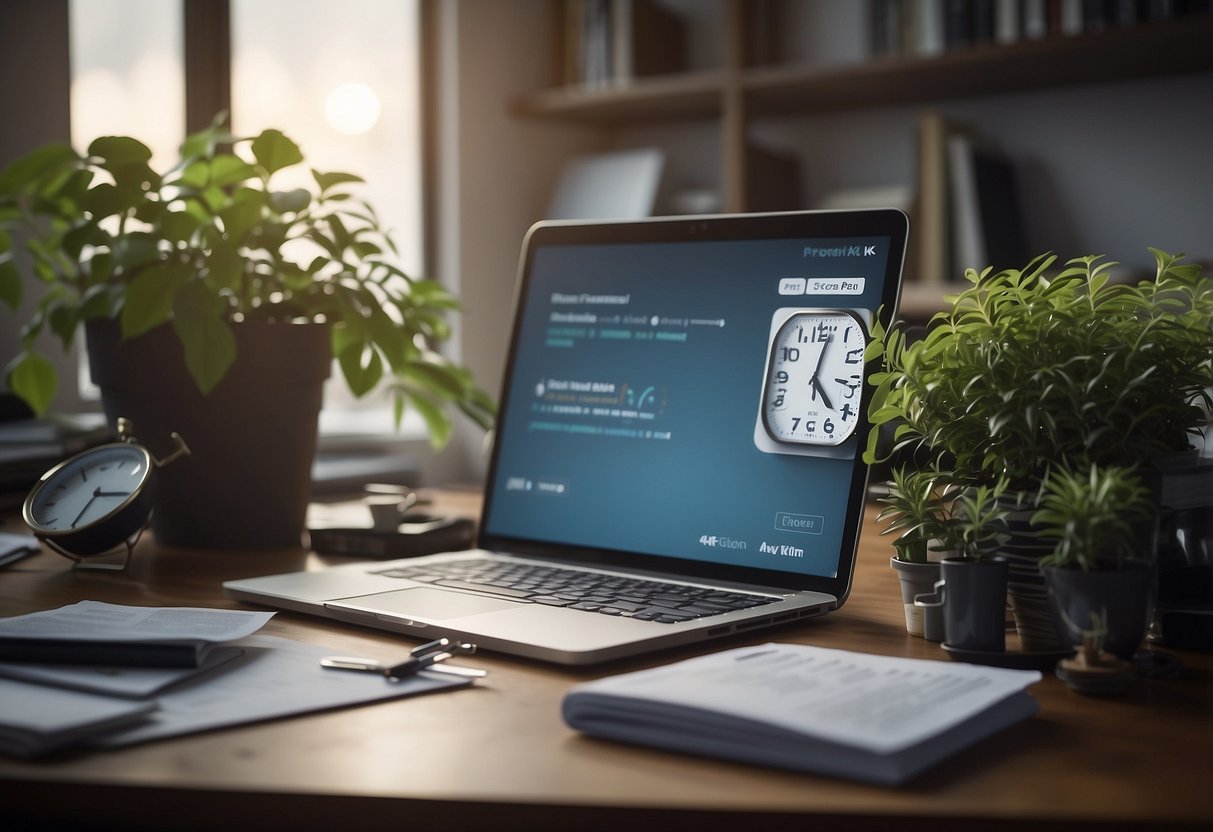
(97, 501)
(813, 382)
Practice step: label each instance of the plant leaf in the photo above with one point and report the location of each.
(210, 345)
(274, 151)
(11, 286)
(149, 299)
(436, 421)
(35, 165)
(120, 150)
(329, 180)
(32, 377)
(361, 366)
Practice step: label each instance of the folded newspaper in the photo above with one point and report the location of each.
(874, 718)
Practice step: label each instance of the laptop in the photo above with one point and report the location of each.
(678, 449)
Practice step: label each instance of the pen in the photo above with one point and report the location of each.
(428, 656)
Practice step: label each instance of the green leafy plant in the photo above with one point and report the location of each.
(214, 241)
(1091, 514)
(918, 509)
(933, 512)
(978, 522)
(1028, 369)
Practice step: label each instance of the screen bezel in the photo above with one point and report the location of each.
(800, 225)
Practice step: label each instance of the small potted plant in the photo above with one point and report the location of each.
(1033, 368)
(917, 508)
(974, 581)
(214, 301)
(1099, 575)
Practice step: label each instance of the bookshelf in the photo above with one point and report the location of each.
(738, 93)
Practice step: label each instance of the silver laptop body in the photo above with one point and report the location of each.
(683, 403)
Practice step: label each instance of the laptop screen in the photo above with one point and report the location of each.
(687, 394)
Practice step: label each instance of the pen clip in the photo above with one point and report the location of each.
(426, 656)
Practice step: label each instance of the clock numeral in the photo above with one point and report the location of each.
(788, 355)
(778, 401)
(781, 377)
(850, 385)
(854, 356)
(828, 427)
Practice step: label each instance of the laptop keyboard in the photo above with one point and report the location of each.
(646, 600)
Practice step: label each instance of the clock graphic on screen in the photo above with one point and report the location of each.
(812, 387)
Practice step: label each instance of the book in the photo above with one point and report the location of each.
(987, 221)
(878, 719)
(646, 39)
(931, 264)
(96, 633)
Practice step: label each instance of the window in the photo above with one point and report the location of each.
(128, 79)
(344, 85)
(346, 88)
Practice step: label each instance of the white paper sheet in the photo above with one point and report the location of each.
(98, 621)
(129, 682)
(275, 677)
(876, 703)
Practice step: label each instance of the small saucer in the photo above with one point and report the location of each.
(1009, 659)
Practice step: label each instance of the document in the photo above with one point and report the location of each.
(36, 720)
(96, 633)
(275, 677)
(131, 682)
(265, 677)
(835, 712)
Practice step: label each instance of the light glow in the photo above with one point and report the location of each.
(352, 109)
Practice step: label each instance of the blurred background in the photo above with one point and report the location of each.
(1005, 129)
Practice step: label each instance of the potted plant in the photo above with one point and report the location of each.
(1034, 368)
(1099, 582)
(917, 508)
(974, 581)
(214, 302)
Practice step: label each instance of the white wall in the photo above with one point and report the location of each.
(496, 177)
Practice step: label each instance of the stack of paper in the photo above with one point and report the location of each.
(95, 633)
(45, 706)
(833, 712)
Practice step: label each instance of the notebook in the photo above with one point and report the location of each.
(678, 449)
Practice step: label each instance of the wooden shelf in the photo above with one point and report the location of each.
(656, 98)
(1171, 47)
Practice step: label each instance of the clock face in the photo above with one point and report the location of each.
(88, 488)
(814, 378)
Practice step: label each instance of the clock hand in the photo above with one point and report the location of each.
(813, 382)
(821, 355)
(822, 392)
(96, 494)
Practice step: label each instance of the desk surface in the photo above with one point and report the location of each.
(499, 756)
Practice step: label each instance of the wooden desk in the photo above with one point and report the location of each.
(498, 756)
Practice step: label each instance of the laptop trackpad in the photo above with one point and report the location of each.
(428, 603)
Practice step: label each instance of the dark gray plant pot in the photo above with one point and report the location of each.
(247, 480)
(974, 603)
(1027, 595)
(916, 579)
(1120, 599)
